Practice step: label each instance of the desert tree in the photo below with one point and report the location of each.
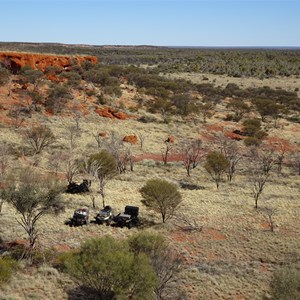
(239, 107)
(259, 180)
(57, 98)
(4, 75)
(72, 134)
(73, 168)
(142, 138)
(216, 165)
(191, 153)
(33, 196)
(38, 138)
(295, 160)
(165, 262)
(282, 149)
(100, 138)
(31, 76)
(167, 149)
(111, 270)
(121, 153)
(231, 151)
(164, 106)
(269, 212)
(161, 196)
(17, 115)
(4, 165)
(266, 158)
(206, 110)
(103, 167)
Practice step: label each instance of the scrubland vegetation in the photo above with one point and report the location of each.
(213, 164)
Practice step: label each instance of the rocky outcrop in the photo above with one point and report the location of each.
(132, 139)
(16, 60)
(108, 112)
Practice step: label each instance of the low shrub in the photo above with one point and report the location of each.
(7, 267)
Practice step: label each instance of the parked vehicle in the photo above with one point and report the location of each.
(129, 218)
(105, 215)
(80, 217)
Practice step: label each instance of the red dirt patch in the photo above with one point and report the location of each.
(213, 234)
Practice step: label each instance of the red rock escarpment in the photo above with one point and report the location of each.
(16, 60)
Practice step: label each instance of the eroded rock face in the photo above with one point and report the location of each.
(16, 60)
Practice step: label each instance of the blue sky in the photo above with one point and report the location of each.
(162, 23)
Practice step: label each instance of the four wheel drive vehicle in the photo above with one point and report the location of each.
(105, 215)
(129, 218)
(80, 217)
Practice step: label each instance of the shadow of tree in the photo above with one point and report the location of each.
(82, 292)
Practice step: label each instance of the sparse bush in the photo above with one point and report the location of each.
(7, 268)
(38, 138)
(285, 284)
(4, 75)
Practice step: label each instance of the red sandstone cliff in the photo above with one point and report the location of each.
(16, 60)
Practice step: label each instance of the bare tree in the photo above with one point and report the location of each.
(295, 161)
(17, 116)
(72, 169)
(100, 138)
(39, 137)
(72, 134)
(230, 150)
(266, 159)
(191, 155)
(166, 151)
(269, 212)
(142, 139)
(121, 153)
(259, 181)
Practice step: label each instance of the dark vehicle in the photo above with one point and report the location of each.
(129, 218)
(105, 215)
(74, 188)
(80, 217)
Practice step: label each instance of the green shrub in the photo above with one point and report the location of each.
(108, 267)
(285, 284)
(7, 267)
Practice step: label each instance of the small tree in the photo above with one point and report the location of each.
(103, 167)
(166, 151)
(162, 196)
(4, 75)
(191, 155)
(108, 267)
(259, 181)
(216, 165)
(231, 152)
(39, 137)
(4, 164)
(269, 212)
(33, 196)
(164, 262)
